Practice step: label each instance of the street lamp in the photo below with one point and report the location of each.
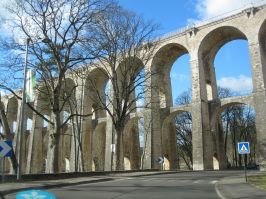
(20, 133)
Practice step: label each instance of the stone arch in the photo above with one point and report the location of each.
(98, 146)
(128, 68)
(95, 85)
(38, 138)
(134, 64)
(233, 103)
(127, 164)
(169, 145)
(262, 44)
(166, 163)
(131, 143)
(69, 92)
(67, 165)
(219, 158)
(227, 102)
(208, 48)
(69, 88)
(93, 166)
(262, 32)
(128, 74)
(161, 66)
(259, 59)
(215, 162)
(215, 39)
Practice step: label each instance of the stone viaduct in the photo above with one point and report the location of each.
(201, 42)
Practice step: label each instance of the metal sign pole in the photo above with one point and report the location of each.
(245, 167)
(244, 149)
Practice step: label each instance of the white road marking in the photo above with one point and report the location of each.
(197, 181)
(218, 192)
(213, 182)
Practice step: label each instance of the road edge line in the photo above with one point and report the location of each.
(218, 191)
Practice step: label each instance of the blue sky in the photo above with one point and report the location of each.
(232, 63)
(170, 14)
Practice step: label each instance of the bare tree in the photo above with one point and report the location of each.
(238, 124)
(64, 26)
(225, 117)
(144, 132)
(76, 109)
(127, 44)
(183, 124)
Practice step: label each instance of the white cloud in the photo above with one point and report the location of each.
(210, 8)
(3, 5)
(240, 84)
(12, 15)
(9, 20)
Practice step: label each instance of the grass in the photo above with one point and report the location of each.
(259, 181)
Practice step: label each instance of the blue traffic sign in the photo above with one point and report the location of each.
(35, 194)
(6, 148)
(243, 148)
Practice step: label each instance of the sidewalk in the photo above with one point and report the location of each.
(237, 188)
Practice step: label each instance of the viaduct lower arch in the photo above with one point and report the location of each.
(201, 43)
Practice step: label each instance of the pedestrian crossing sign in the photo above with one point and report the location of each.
(243, 148)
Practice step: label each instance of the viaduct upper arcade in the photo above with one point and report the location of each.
(201, 43)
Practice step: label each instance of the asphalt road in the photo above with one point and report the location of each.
(177, 185)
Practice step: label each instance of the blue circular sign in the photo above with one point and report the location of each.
(35, 194)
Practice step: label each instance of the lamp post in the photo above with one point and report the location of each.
(20, 133)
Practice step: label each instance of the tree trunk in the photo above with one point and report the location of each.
(234, 147)
(54, 140)
(79, 156)
(119, 150)
(80, 149)
(225, 139)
